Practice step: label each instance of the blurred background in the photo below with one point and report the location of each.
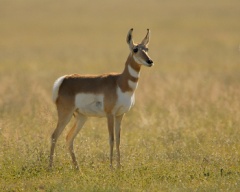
(190, 41)
(84, 34)
(187, 109)
(195, 46)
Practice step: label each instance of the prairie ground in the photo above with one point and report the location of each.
(181, 135)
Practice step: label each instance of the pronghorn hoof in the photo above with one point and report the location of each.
(111, 167)
(119, 166)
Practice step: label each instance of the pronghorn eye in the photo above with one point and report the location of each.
(135, 50)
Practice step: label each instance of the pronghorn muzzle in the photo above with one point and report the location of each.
(150, 63)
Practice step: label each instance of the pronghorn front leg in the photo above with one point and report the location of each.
(110, 120)
(118, 121)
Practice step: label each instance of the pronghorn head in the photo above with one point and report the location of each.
(139, 51)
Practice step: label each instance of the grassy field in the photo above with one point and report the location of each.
(183, 133)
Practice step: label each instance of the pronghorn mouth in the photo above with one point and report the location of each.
(150, 65)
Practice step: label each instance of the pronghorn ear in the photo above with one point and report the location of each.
(145, 41)
(129, 39)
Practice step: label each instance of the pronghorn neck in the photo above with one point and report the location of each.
(128, 79)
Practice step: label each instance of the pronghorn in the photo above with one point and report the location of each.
(109, 95)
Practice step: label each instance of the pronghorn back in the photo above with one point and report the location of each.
(87, 94)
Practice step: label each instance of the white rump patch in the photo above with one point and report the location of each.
(90, 104)
(132, 84)
(56, 86)
(132, 72)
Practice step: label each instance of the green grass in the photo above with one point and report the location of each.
(181, 135)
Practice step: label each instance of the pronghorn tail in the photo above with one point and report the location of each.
(56, 87)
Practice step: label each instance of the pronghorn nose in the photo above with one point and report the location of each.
(149, 61)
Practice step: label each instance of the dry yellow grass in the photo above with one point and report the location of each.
(182, 134)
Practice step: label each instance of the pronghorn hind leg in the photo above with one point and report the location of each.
(64, 117)
(118, 121)
(110, 120)
(80, 120)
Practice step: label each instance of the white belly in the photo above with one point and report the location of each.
(93, 104)
(124, 102)
(90, 104)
